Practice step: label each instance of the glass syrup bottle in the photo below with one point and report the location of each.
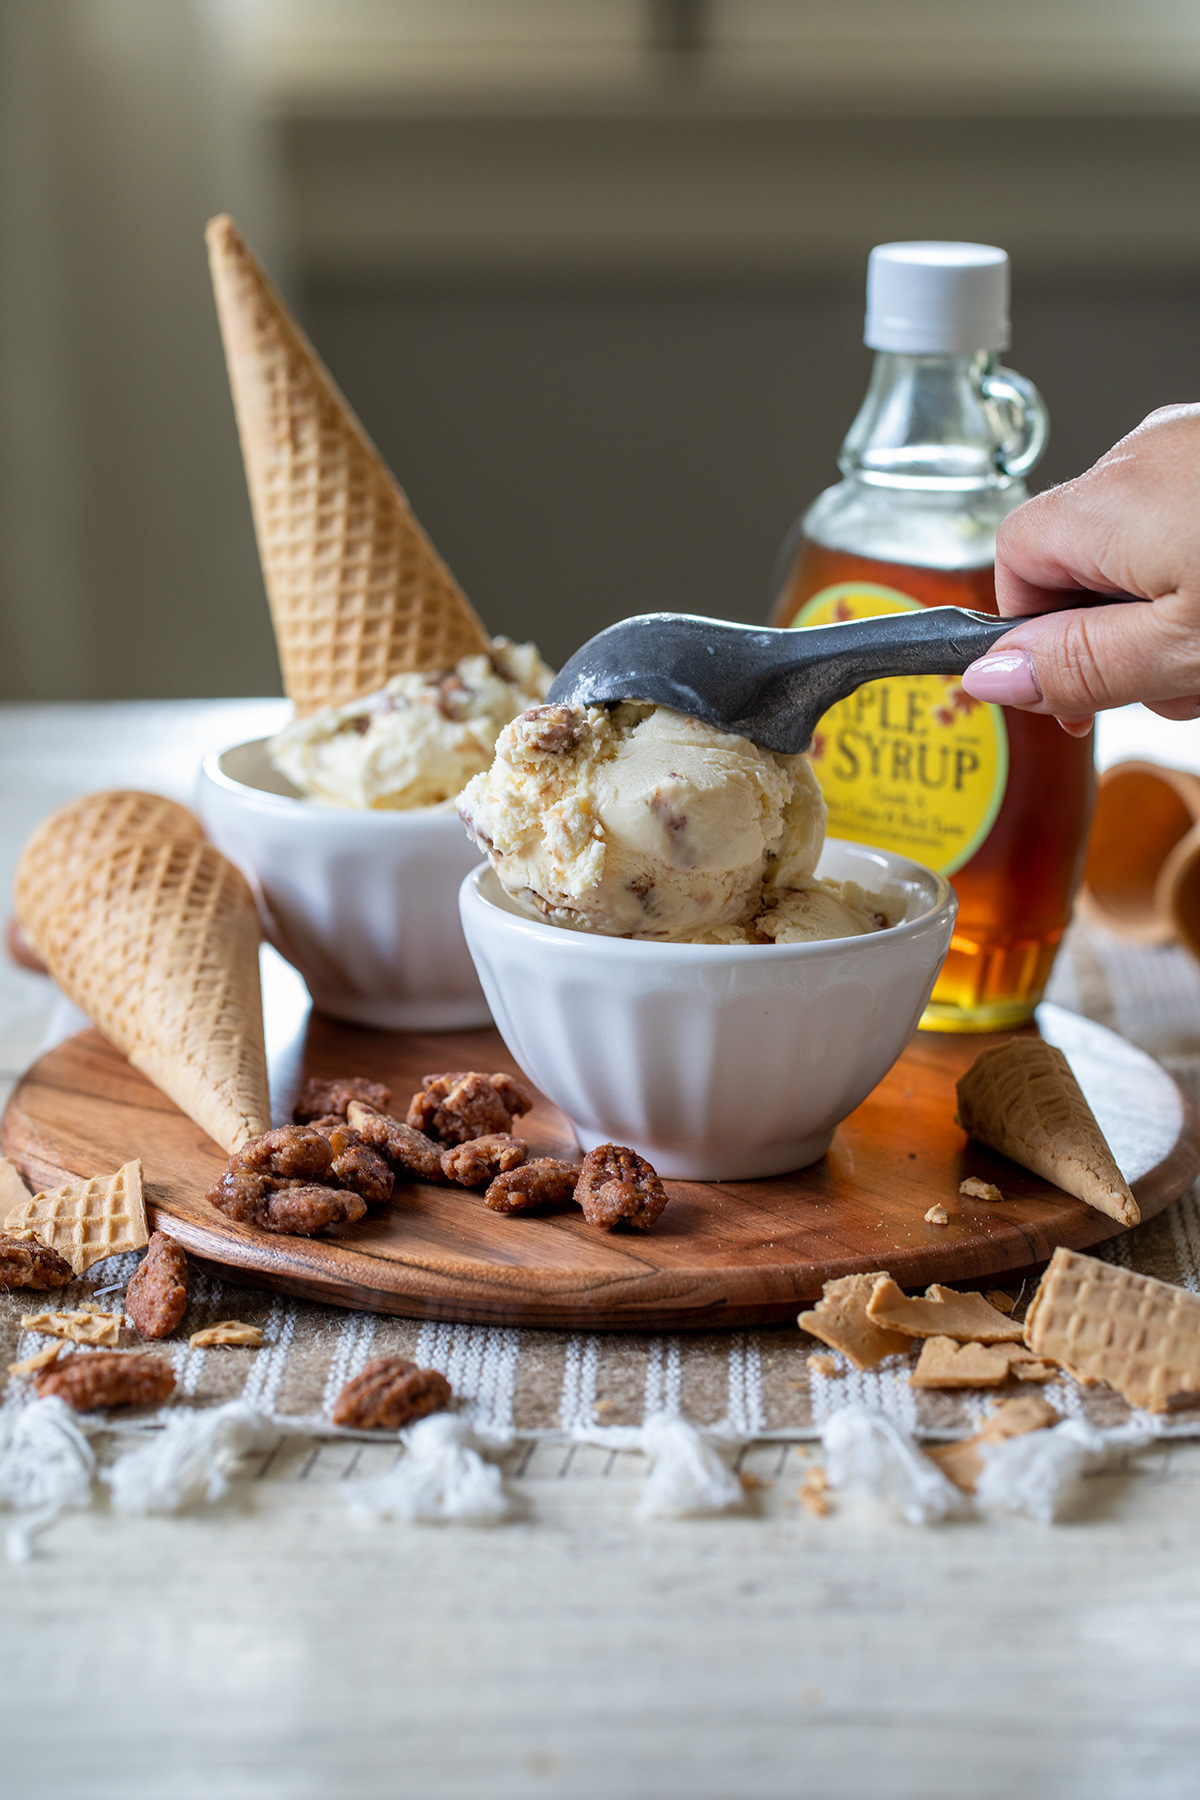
(998, 800)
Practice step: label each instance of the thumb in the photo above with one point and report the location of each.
(1087, 658)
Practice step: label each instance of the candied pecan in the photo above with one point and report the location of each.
(400, 1144)
(534, 1184)
(303, 1208)
(326, 1124)
(241, 1197)
(475, 1162)
(107, 1378)
(157, 1296)
(359, 1167)
(466, 1104)
(618, 1186)
(290, 1151)
(28, 1263)
(298, 1207)
(515, 1095)
(390, 1392)
(318, 1098)
(552, 729)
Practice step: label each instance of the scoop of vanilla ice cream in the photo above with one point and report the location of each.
(641, 821)
(418, 740)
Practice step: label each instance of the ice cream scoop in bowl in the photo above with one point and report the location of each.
(665, 955)
(716, 1061)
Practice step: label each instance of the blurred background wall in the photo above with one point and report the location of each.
(590, 270)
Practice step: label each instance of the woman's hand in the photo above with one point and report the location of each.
(1109, 565)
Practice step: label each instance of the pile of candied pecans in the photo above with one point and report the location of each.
(345, 1152)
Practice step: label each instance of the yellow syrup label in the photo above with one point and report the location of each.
(913, 764)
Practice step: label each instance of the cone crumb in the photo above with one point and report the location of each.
(813, 1494)
(974, 1189)
(937, 1215)
(823, 1365)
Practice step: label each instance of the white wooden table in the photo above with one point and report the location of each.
(272, 1649)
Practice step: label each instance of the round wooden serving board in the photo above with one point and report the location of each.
(728, 1253)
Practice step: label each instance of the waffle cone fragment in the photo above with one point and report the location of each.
(87, 1221)
(1104, 1323)
(157, 940)
(80, 830)
(1022, 1100)
(943, 1312)
(357, 592)
(840, 1319)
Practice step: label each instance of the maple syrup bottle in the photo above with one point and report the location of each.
(996, 799)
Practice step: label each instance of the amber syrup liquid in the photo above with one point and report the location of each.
(1016, 892)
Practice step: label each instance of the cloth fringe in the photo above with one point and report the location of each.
(46, 1468)
(866, 1454)
(188, 1460)
(1034, 1473)
(441, 1478)
(687, 1475)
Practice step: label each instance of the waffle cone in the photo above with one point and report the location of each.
(77, 832)
(357, 591)
(1022, 1100)
(87, 1221)
(1105, 1323)
(157, 940)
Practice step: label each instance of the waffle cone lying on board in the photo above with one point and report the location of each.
(80, 830)
(156, 939)
(1021, 1099)
(357, 592)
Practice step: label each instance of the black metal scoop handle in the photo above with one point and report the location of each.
(770, 686)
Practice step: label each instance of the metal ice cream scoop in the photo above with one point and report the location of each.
(766, 685)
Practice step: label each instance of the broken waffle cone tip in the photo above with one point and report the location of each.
(1021, 1099)
(87, 1221)
(357, 592)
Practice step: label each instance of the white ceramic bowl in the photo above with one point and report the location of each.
(715, 1062)
(362, 903)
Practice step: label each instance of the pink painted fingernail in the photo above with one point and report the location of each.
(1005, 677)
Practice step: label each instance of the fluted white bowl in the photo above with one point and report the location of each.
(715, 1062)
(363, 903)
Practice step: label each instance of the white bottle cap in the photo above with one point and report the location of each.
(937, 299)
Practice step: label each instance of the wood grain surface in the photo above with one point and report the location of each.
(728, 1253)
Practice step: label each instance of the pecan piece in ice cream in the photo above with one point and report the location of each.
(465, 1104)
(474, 1163)
(551, 730)
(401, 1145)
(391, 1392)
(544, 1182)
(318, 1098)
(617, 1186)
(107, 1378)
(28, 1263)
(157, 1296)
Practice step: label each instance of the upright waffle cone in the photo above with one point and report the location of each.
(1022, 1100)
(357, 592)
(157, 940)
(78, 831)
